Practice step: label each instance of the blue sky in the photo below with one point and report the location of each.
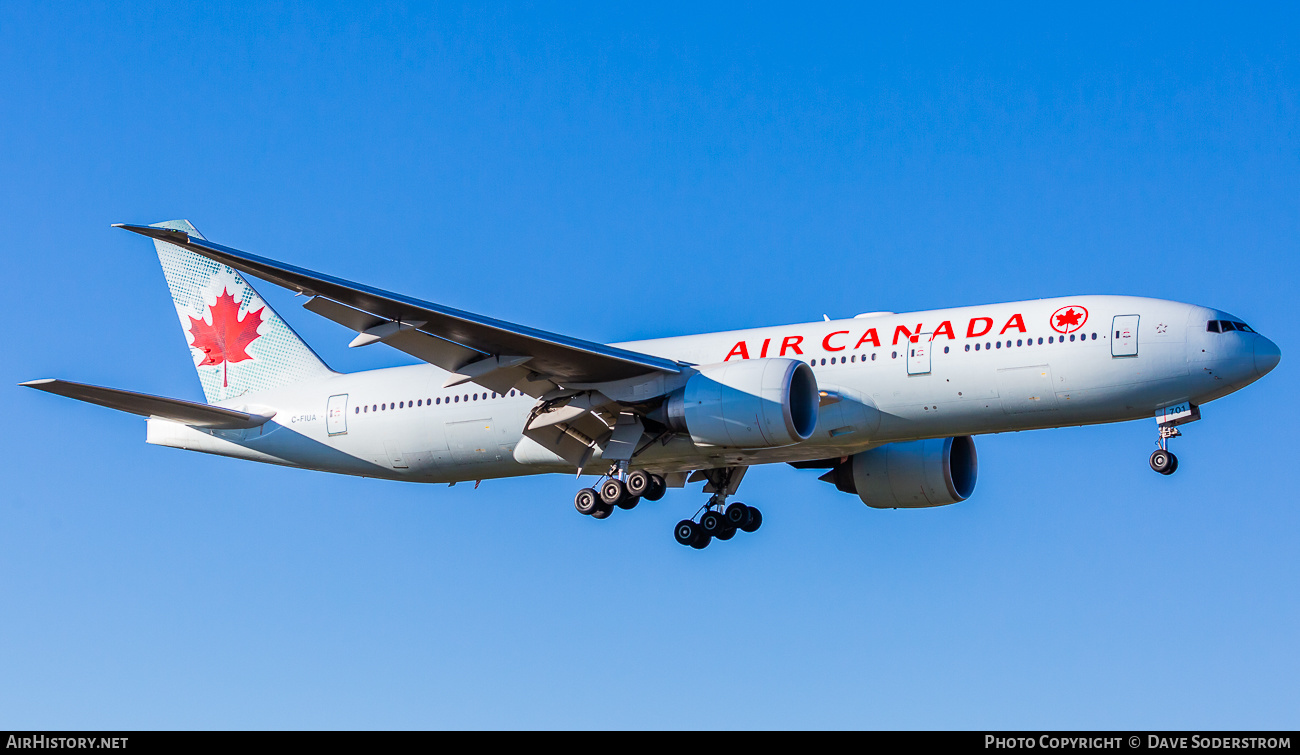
(623, 173)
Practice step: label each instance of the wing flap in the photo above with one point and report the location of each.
(145, 405)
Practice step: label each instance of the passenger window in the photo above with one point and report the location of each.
(945, 349)
(873, 356)
(1040, 342)
(977, 347)
(968, 347)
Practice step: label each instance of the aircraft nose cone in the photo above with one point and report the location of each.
(1267, 355)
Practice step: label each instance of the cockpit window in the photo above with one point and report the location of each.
(1227, 326)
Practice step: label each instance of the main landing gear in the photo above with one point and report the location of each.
(718, 523)
(620, 489)
(1162, 459)
(716, 520)
(719, 520)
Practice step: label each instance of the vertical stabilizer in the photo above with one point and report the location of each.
(239, 344)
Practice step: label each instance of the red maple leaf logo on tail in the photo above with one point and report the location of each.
(225, 340)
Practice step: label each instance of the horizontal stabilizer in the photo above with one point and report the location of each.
(176, 410)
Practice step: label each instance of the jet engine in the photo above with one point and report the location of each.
(751, 403)
(913, 475)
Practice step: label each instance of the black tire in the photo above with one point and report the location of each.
(629, 502)
(1174, 466)
(602, 512)
(737, 514)
(612, 491)
(686, 532)
(726, 534)
(639, 483)
(712, 523)
(754, 522)
(1162, 461)
(586, 501)
(701, 541)
(657, 488)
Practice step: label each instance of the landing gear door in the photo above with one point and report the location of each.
(336, 415)
(918, 354)
(1124, 336)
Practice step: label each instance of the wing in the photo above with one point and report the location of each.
(492, 353)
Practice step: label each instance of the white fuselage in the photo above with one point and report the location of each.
(969, 370)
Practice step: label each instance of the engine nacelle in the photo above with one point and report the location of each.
(751, 403)
(913, 475)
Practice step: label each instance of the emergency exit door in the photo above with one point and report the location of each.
(1124, 336)
(336, 415)
(918, 354)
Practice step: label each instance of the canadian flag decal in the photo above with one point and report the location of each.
(227, 338)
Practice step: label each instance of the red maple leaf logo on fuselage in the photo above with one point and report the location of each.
(1068, 319)
(227, 338)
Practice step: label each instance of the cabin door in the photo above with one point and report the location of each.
(1124, 336)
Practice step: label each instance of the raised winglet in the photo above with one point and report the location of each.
(169, 235)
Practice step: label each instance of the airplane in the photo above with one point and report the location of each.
(886, 403)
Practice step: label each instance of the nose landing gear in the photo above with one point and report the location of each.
(1162, 459)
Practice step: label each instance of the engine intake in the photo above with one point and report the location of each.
(752, 403)
(912, 475)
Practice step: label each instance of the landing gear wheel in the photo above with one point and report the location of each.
(612, 491)
(736, 514)
(1163, 462)
(712, 523)
(639, 482)
(701, 541)
(657, 488)
(586, 501)
(727, 533)
(629, 502)
(755, 520)
(602, 512)
(686, 532)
